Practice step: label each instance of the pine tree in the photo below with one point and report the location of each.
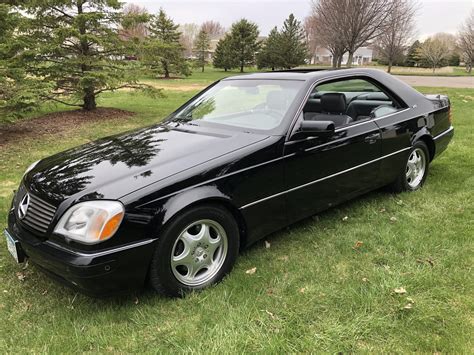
(163, 51)
(224, 55)
(75, 47)
(413, 57)
(293, 47)
(201, 47)
(18, 92)
(244, 43)
(270, 55)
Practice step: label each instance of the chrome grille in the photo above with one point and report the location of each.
(39, 215)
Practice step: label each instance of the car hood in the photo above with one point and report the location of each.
(115, 166)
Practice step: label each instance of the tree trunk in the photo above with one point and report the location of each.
(202, 70)
(389, 69)
(89, 100)
(349, 59)
(334, 61)
(241, 67)
(339, 61)
(165, 69)
(225, 69)
(434, 68)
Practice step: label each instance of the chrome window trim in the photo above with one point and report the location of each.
(335, 77)
(322, 179)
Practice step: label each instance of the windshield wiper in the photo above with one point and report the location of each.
(182, 119)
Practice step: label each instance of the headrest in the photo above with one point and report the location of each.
(276, 100)
(312, 105)
(333, 103)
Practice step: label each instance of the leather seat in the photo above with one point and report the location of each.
(361, 109)
(333, 108)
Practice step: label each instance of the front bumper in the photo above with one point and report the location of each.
(101, 273)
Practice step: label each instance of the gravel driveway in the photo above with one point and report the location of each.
(439, 81)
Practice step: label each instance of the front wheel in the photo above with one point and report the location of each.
(415, 170)
(197, 249)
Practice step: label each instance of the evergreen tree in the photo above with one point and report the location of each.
(18, 92)
(201, 47)
(224, 55)
(74, 46)
(244, 42)
(413, 57)
(162, 51)
(270, 54)
(293, 47)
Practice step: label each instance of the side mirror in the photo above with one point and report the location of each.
(322, 129)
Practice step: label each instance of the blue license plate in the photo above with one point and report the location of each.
(13, 247)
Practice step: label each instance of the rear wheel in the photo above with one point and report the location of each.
(196, 249)
(415, 170)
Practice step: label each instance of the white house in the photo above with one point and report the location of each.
(362, 56)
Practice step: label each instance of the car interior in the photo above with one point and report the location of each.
(348, 101)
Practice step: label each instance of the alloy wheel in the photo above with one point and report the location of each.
(199, 252)
(415, 169)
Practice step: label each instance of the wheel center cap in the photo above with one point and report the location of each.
(199, 251)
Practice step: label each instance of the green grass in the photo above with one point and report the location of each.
(313, 290)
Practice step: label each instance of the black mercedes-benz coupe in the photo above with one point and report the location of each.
(172, 204)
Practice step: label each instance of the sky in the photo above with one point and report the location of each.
(433, 16)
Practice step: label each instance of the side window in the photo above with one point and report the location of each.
(348, 101)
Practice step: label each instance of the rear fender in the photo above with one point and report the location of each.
(424, 135)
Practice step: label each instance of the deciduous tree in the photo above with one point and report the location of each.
(466, 41)
(134, 23)
(399, 29)
(350, 24)
(214, 29)
(311, 37)
(434, 51)
(189, 32)
(328, 20)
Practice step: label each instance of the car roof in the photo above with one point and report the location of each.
(306, 74)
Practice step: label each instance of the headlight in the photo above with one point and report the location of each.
(91, 222)
(28, 169)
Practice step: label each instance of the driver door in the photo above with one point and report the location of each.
(321, 172)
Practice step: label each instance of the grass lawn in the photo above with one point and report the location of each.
(325, 284)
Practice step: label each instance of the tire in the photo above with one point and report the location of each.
(196, 249)
(413, 175)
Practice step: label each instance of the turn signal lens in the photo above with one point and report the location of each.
(111, 226)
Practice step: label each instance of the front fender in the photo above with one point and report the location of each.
(185, 199)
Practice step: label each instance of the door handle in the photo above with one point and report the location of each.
(372, 138)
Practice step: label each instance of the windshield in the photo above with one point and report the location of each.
(254, 104)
